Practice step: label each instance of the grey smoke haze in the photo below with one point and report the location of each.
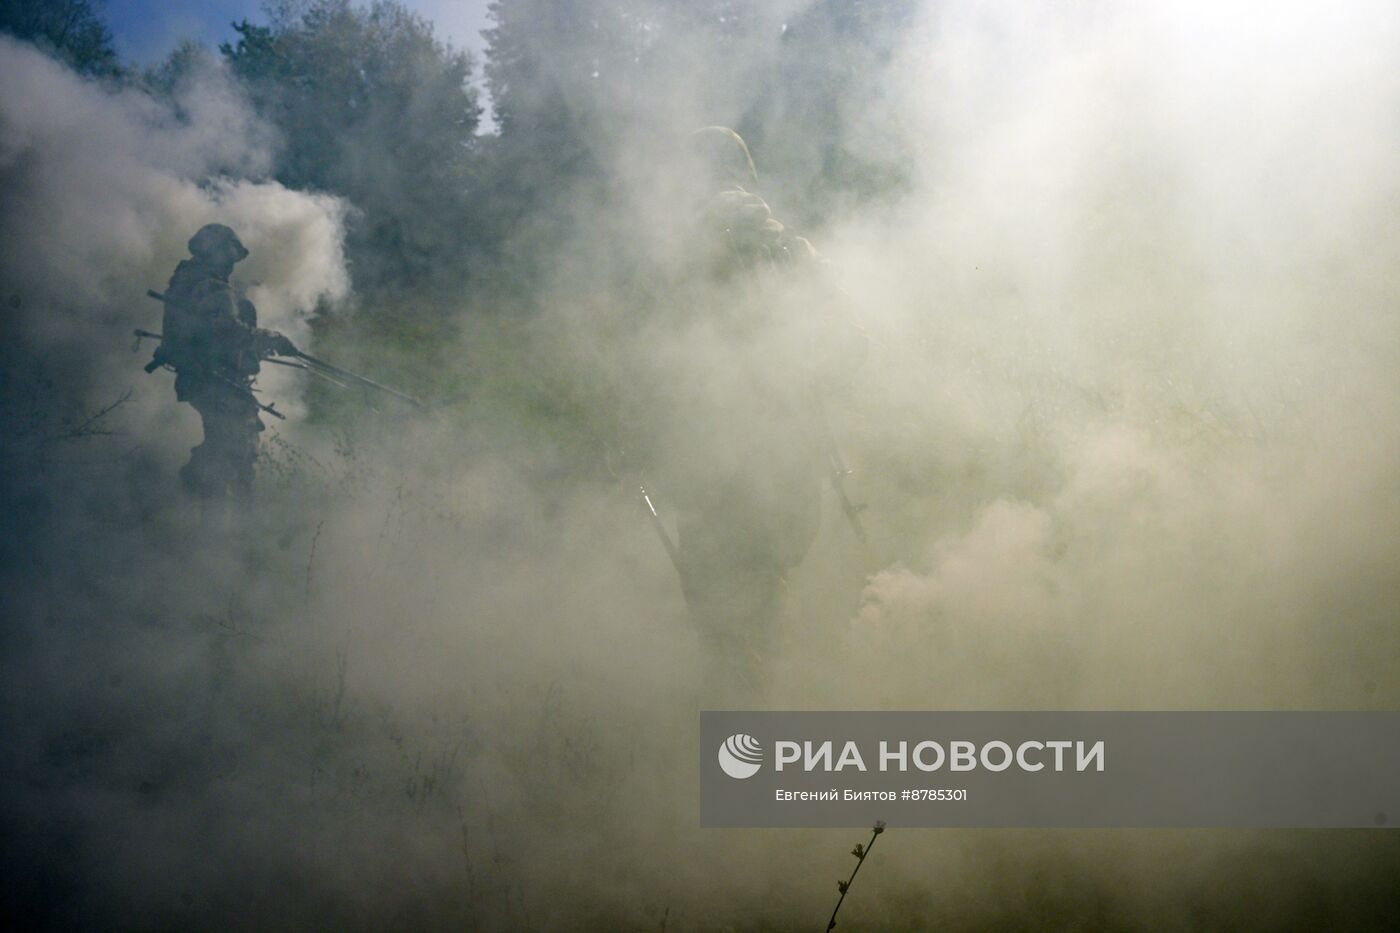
(1127, 434)
(101, 190)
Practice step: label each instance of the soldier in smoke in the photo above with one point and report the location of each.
(211, 339)
(743, 452)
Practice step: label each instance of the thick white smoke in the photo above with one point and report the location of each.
(1149, 281)
(102, 187)
(1126, 436)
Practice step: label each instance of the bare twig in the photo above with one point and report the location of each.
(860, 852)
(89, 428)
(310, 559)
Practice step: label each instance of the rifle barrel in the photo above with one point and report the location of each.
(356, 377)
(318, 367)
(661, 531)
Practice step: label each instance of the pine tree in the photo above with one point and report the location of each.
(71, 30)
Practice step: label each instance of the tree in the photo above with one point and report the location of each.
(372, 106)
(575, 83)
(823, 122)
(542, 61)
(584, 90)
(71, 30)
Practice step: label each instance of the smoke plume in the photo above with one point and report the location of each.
(1125, 435)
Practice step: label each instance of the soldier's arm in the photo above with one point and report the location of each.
(216, 308)
(265, 342)
(270, 342)
(229, 338)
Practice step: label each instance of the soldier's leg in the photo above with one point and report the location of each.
(231, 438)
(737, 618)
(199, 475)
(243, 453)
(734, 597)
(737, 562)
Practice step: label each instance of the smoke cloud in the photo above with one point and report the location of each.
(1125, 436)
(103, 187)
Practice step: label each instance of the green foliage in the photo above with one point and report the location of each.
(186, 64)
(69, 29)
(823, 121)
(574, 84)
(572, 81)
(548, 68)
(368, 104)
(373, 107)
(555, 70)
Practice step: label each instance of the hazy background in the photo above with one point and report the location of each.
(1127, 437)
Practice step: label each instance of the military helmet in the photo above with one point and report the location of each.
(212, 238)
(724, 156)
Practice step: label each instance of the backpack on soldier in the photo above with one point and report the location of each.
(180, 327)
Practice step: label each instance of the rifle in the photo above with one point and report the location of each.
(335, 374)
(614, 468)
(307, 362)
(158, 360)
(661, 532)
(839, 472)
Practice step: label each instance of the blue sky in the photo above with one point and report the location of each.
(145, 30)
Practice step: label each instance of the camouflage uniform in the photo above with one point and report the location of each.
(211, 338)
(747, 459)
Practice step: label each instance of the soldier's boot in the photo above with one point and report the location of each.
(207, 478)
